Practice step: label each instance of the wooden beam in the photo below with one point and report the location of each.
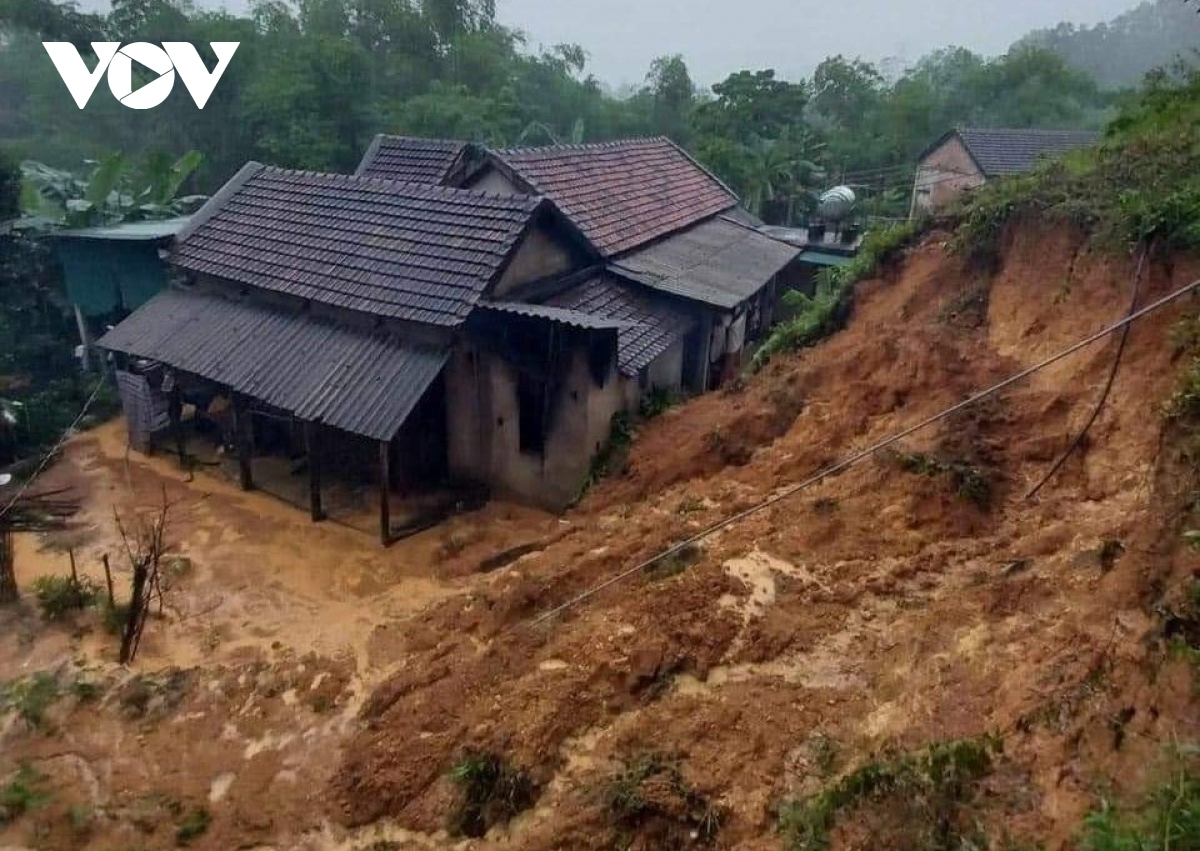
(385, 487)
(312, 442)
(175, 413)
(243, 440)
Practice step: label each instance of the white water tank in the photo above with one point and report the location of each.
(837, 204)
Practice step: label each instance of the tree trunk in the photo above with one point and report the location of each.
(8, 576)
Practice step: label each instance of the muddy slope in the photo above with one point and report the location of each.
(899, 603)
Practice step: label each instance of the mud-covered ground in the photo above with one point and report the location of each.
(307, 689)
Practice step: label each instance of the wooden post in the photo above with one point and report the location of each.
(312, 444)
(385, 487)
(175, 411)
(243, 436)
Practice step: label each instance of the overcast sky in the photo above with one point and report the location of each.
(622, 37)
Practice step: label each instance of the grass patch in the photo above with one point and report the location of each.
(58, 595)
(1167, 820)
(30, 697)
(193, 825)
(651, 803)
(24, 791)
(915, 800)
(491, 792)
(827, 309)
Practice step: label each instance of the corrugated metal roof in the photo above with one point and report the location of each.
(653, 322)
(419, 253)
(561, 315)
(622, 194)
(134, 231)
(409, 159)
(718, 262)
(824, 258)
(361, 382)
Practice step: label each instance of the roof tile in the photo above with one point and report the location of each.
(622, 194)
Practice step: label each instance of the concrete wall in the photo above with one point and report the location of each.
(666, 371)
(539, 256)
(944, 174)
(490, 180)
(483, 427)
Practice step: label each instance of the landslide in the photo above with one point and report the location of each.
(917, 598)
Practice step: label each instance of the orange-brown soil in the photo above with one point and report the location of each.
(884, 607)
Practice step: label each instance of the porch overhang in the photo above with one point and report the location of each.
(360, 381)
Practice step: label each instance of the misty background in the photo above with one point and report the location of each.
(622, 37)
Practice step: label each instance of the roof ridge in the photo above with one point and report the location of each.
(440, 139)
(581, 146)
(1046, 130)
(426, 188)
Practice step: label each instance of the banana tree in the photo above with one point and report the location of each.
(115, 190)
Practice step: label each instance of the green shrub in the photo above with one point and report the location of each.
(491, 792)
(30, 697)
(193, 825)
(667, 817)
(930, 787)
(23, 792)
(1169, 820)
(57, 595)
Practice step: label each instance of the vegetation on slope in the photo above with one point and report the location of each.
(1139, 184)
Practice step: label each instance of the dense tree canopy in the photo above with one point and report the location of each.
(313, 80)
(1119, 53)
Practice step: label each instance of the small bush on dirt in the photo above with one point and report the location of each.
(491, 792)
(970, 481)
(925, 793)
(676, 563)
(24, 791)
(612, 455)
(657, 402)
(1169, 820)
(57, 595)
(650, 802)
(826, 310)
(193, 826)
(113, 616)
(30, 697)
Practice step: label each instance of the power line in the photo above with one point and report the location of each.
(49, 456)
(866, 453)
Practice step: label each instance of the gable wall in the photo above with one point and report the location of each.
(944, 174)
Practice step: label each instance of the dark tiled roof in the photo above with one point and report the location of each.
(622, 194)
(559, 315)
(718, 262)
(409, 159)
(362, 382)
(1002, 151)
(653, 322)
(419, 253)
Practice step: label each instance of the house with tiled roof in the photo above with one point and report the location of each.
(965, 158)
(664, 225)
(448, 313)
(363, 325)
